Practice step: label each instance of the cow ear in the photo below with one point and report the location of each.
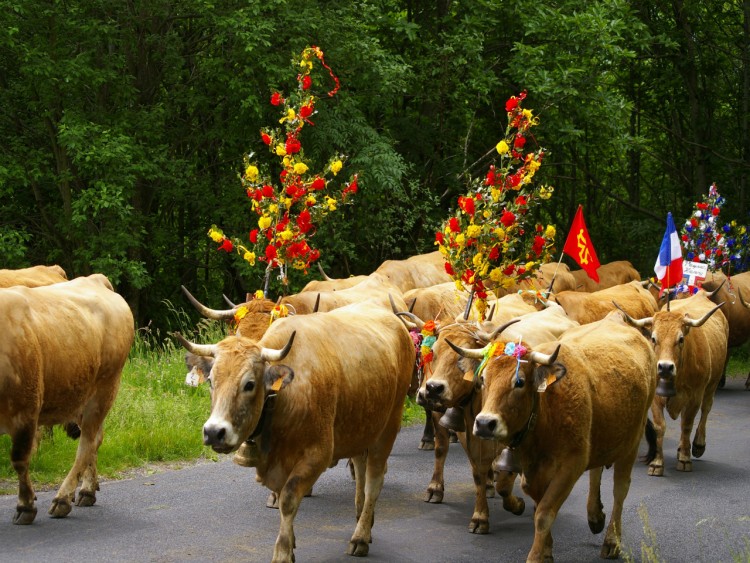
(277, 377)
(545, 376)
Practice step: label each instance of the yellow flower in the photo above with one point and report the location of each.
(443, 250)
(473, 231)
(545, 192)
(251, 173)
(507, 283)
(331, 203)
(280, 150)
(550, 232)
(495, 193)
(286, 234)
(273, 208)
(264, 222)
(336, 166)
(529, 266)
(502, 147)
(496, 275)
(527, 114)
(300, 168)
(250, 257)
(459, 285)
(287, 201)
(290, 115)
(460, 239)
(215, 234)
(242, 311)
(486, 213)
(287, 161)
(311, 200)
(499, 233)
(259, 294)
(477, 260)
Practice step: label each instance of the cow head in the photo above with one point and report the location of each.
(510, 386)
(241, 378)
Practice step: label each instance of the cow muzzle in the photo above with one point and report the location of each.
(487, 426)
(665, 369)
(215, 435)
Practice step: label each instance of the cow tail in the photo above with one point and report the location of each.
(650, 432)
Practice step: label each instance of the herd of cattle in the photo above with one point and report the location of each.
(557, 380)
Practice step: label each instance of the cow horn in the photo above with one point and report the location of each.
(490, 336)
(393, 304)
(228, 301)
(552, 283)
(545, 359)
(639, 323)
(698, 322)
(322, 273)
(645, 284)
(742, 299)
(317, 304)
(710, 294)
(272, 355)
(411, 307)
(492, 311)
(472, 353)
(197, 349)
(418, 323)
(469, 304)
(216, 314)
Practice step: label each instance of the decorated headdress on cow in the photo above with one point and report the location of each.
(289, 207)
(491, 239)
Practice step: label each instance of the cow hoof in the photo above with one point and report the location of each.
(60, 508)
(656, 470)
(596, 526)
(358, 548)
(698, 450)
(434, 495)
(610, 550)
(686, 465)
(24, 515)
(427, 445)
(514, 507)
(86, 498)
(272, 501)
(477, 526)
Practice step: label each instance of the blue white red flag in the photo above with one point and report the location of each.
(668, 267)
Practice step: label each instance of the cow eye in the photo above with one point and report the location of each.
(681, 339)
(519, 383)
(653, 339)
(249, 386)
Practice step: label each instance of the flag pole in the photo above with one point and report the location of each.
(552, 283)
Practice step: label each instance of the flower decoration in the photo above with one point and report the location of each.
(490, 240)
(289, 208)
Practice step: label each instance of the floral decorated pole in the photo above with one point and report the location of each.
(290, 199)
(490, 238)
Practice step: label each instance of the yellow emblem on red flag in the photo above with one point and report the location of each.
(579, 247)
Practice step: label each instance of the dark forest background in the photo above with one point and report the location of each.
(123, 124)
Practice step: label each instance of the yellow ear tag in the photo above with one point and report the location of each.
(469, 376)
(277, 384)
(546, 383)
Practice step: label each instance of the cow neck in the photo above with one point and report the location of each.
(530, 423)
(263, 428)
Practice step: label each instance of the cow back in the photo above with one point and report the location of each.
(36, 276)
(738, 316)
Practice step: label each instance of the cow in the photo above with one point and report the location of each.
(422, 270)
(610, 274)
(339, 393)
(450, 384)
(61, 359)
(690, 338)
(36, 276)
(332, 284)
(559, 426)
(585, 308)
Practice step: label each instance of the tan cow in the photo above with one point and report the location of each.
(450, 384)
(332, 284)
(62, 354)
(338, 394)
(610, 274)
(421, 270)
(36, 276)
(690, 342)
(589, 307)
(560, 426)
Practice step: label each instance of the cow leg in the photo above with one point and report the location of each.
(594, 506)
(436, 488)
(656, 467)
(699, 441)
(300, 480)
(747, 382)
(621, 486)
(687, 418)
(23, 443)
(547, 508)
(359, 464)
(481, 466)
(374, 475)
(90, 482)
(428, 435)
(504, 482)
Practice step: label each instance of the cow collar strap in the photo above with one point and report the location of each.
(507, 461)
(263, 428)
(530, 424)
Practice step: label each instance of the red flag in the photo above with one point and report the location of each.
(578, 246)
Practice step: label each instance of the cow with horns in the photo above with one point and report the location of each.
(555, 427)
(62, 357)
(610, 274)
(35, 276)
(585, 308)
(315, 389)
(689, 337)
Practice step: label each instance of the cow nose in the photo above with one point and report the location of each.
(421, 399)
(485, 426)
(214, 435)
(434, 389)
(665, 369)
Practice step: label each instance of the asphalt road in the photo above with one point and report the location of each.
(216, 512)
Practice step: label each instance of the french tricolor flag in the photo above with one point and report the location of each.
(668, 267)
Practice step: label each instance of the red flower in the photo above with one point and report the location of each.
(306, 82)
(318, 184)
(449, 269)
(351, 188)
(439, 238)
(467, 204)
(715, 211)
(454, 225)
(693, 222)
(292, 145)
(314, 255)
(509, 269)
(303, 221)
(276, 99)
(538, 245)
(494, 253)
(511, 104)
(521, 200)
(702, 206)
(519, 142)
(226, 245)
(507, 218)
(468, 274)
(306, 110)
(271, 253)
(490, 180)
(254, 236)
(266, 138)
(267, 191)
(282, 176)
(514, 179)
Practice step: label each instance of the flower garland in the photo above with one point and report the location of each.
(490, 238)
(289, 210)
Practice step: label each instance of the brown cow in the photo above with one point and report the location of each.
(450, 385)
(338, 394)
(36, 276)
(690, 341)
(559, 427)
(63, 352)
(589, 307)
(610, 274)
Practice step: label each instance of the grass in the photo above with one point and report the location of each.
(156, 418)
